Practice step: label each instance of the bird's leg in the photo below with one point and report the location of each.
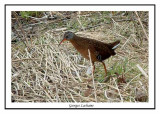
(104, 67)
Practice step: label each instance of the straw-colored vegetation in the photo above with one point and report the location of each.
(44, 72)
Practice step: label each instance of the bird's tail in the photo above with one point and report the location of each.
(115, 44)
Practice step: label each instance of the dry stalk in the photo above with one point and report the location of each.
(143, 87)
(84, 98)
(125, 43)
(118, 90)
(57, 97)
(141, 24)
(76, 72)
(95, 94)
(141, 69)
(73, 98)
(46, 64)
(47, 94)
(130, 82)
(105, 94)
(24, 59)
(80, 21)
(20, 26)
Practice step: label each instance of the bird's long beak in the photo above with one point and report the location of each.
(62, 41)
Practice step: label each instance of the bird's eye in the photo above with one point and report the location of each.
(67, 36)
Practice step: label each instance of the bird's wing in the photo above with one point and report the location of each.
(100, 50)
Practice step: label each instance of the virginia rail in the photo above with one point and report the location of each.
(99, 51)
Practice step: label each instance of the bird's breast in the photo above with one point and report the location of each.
(83, 50)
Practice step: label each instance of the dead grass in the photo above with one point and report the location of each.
(45, 72)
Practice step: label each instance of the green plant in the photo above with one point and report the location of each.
(27, 14)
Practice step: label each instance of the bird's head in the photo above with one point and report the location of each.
(67, 36)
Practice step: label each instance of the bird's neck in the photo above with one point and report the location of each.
(75, 42)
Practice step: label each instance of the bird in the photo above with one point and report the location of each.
(99, 51)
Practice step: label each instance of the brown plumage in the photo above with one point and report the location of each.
(99, 51)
